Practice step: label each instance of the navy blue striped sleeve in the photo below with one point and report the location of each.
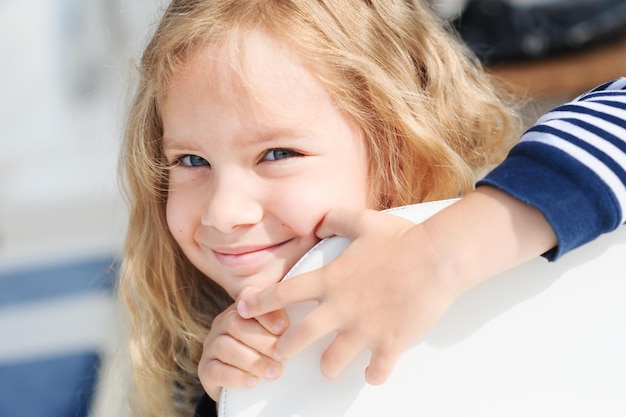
(571, 165)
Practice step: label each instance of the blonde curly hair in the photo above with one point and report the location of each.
(428, 113)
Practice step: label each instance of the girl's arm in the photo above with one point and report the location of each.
(572, 167)
(561, 186)
(396, 278)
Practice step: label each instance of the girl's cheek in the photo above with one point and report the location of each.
(310, 212)
(175, 216)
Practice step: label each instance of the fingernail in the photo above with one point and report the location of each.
(272, 372)
(252, 382)
(242, 308)
(278, 357)
(279, 325)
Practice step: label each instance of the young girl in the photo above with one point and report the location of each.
(252, 121)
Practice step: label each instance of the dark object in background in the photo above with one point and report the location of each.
(498, 31)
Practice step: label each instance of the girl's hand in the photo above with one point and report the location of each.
(237, 351)
(396, 279)
(383, 292)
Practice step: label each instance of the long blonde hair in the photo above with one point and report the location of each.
(428, 113)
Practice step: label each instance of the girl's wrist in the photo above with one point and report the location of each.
(485, 233)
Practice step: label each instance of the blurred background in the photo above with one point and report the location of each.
(64, 88)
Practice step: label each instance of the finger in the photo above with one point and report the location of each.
(280, 295)
(230, 351)
(381, 365)
(275, 322)
(248, 332)
(317, 324)
(354, 223)
(339, 353)
(227, 375)
(248, 291)
(339, 222)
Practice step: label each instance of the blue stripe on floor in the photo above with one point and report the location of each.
(54, 387)
(34, 284)
(57, 384)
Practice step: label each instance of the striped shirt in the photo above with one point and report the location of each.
(571, 165)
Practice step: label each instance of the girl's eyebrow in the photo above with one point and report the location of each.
(171, 143)
(266, 137)
(269, 135)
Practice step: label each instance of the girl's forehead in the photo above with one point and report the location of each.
(254, 66)
(262, 83)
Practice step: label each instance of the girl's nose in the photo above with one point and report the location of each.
(232, 203)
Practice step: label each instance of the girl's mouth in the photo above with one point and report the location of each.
(245, 255)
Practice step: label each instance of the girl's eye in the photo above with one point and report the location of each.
(280, 153)
(193, 161)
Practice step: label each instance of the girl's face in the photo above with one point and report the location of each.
(254, 170)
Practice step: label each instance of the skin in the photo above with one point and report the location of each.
(252, 175)
(266, 182)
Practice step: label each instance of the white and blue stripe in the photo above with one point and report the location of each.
(572, 166)
(592, 129)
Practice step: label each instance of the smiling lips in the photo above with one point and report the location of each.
(245, 255)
